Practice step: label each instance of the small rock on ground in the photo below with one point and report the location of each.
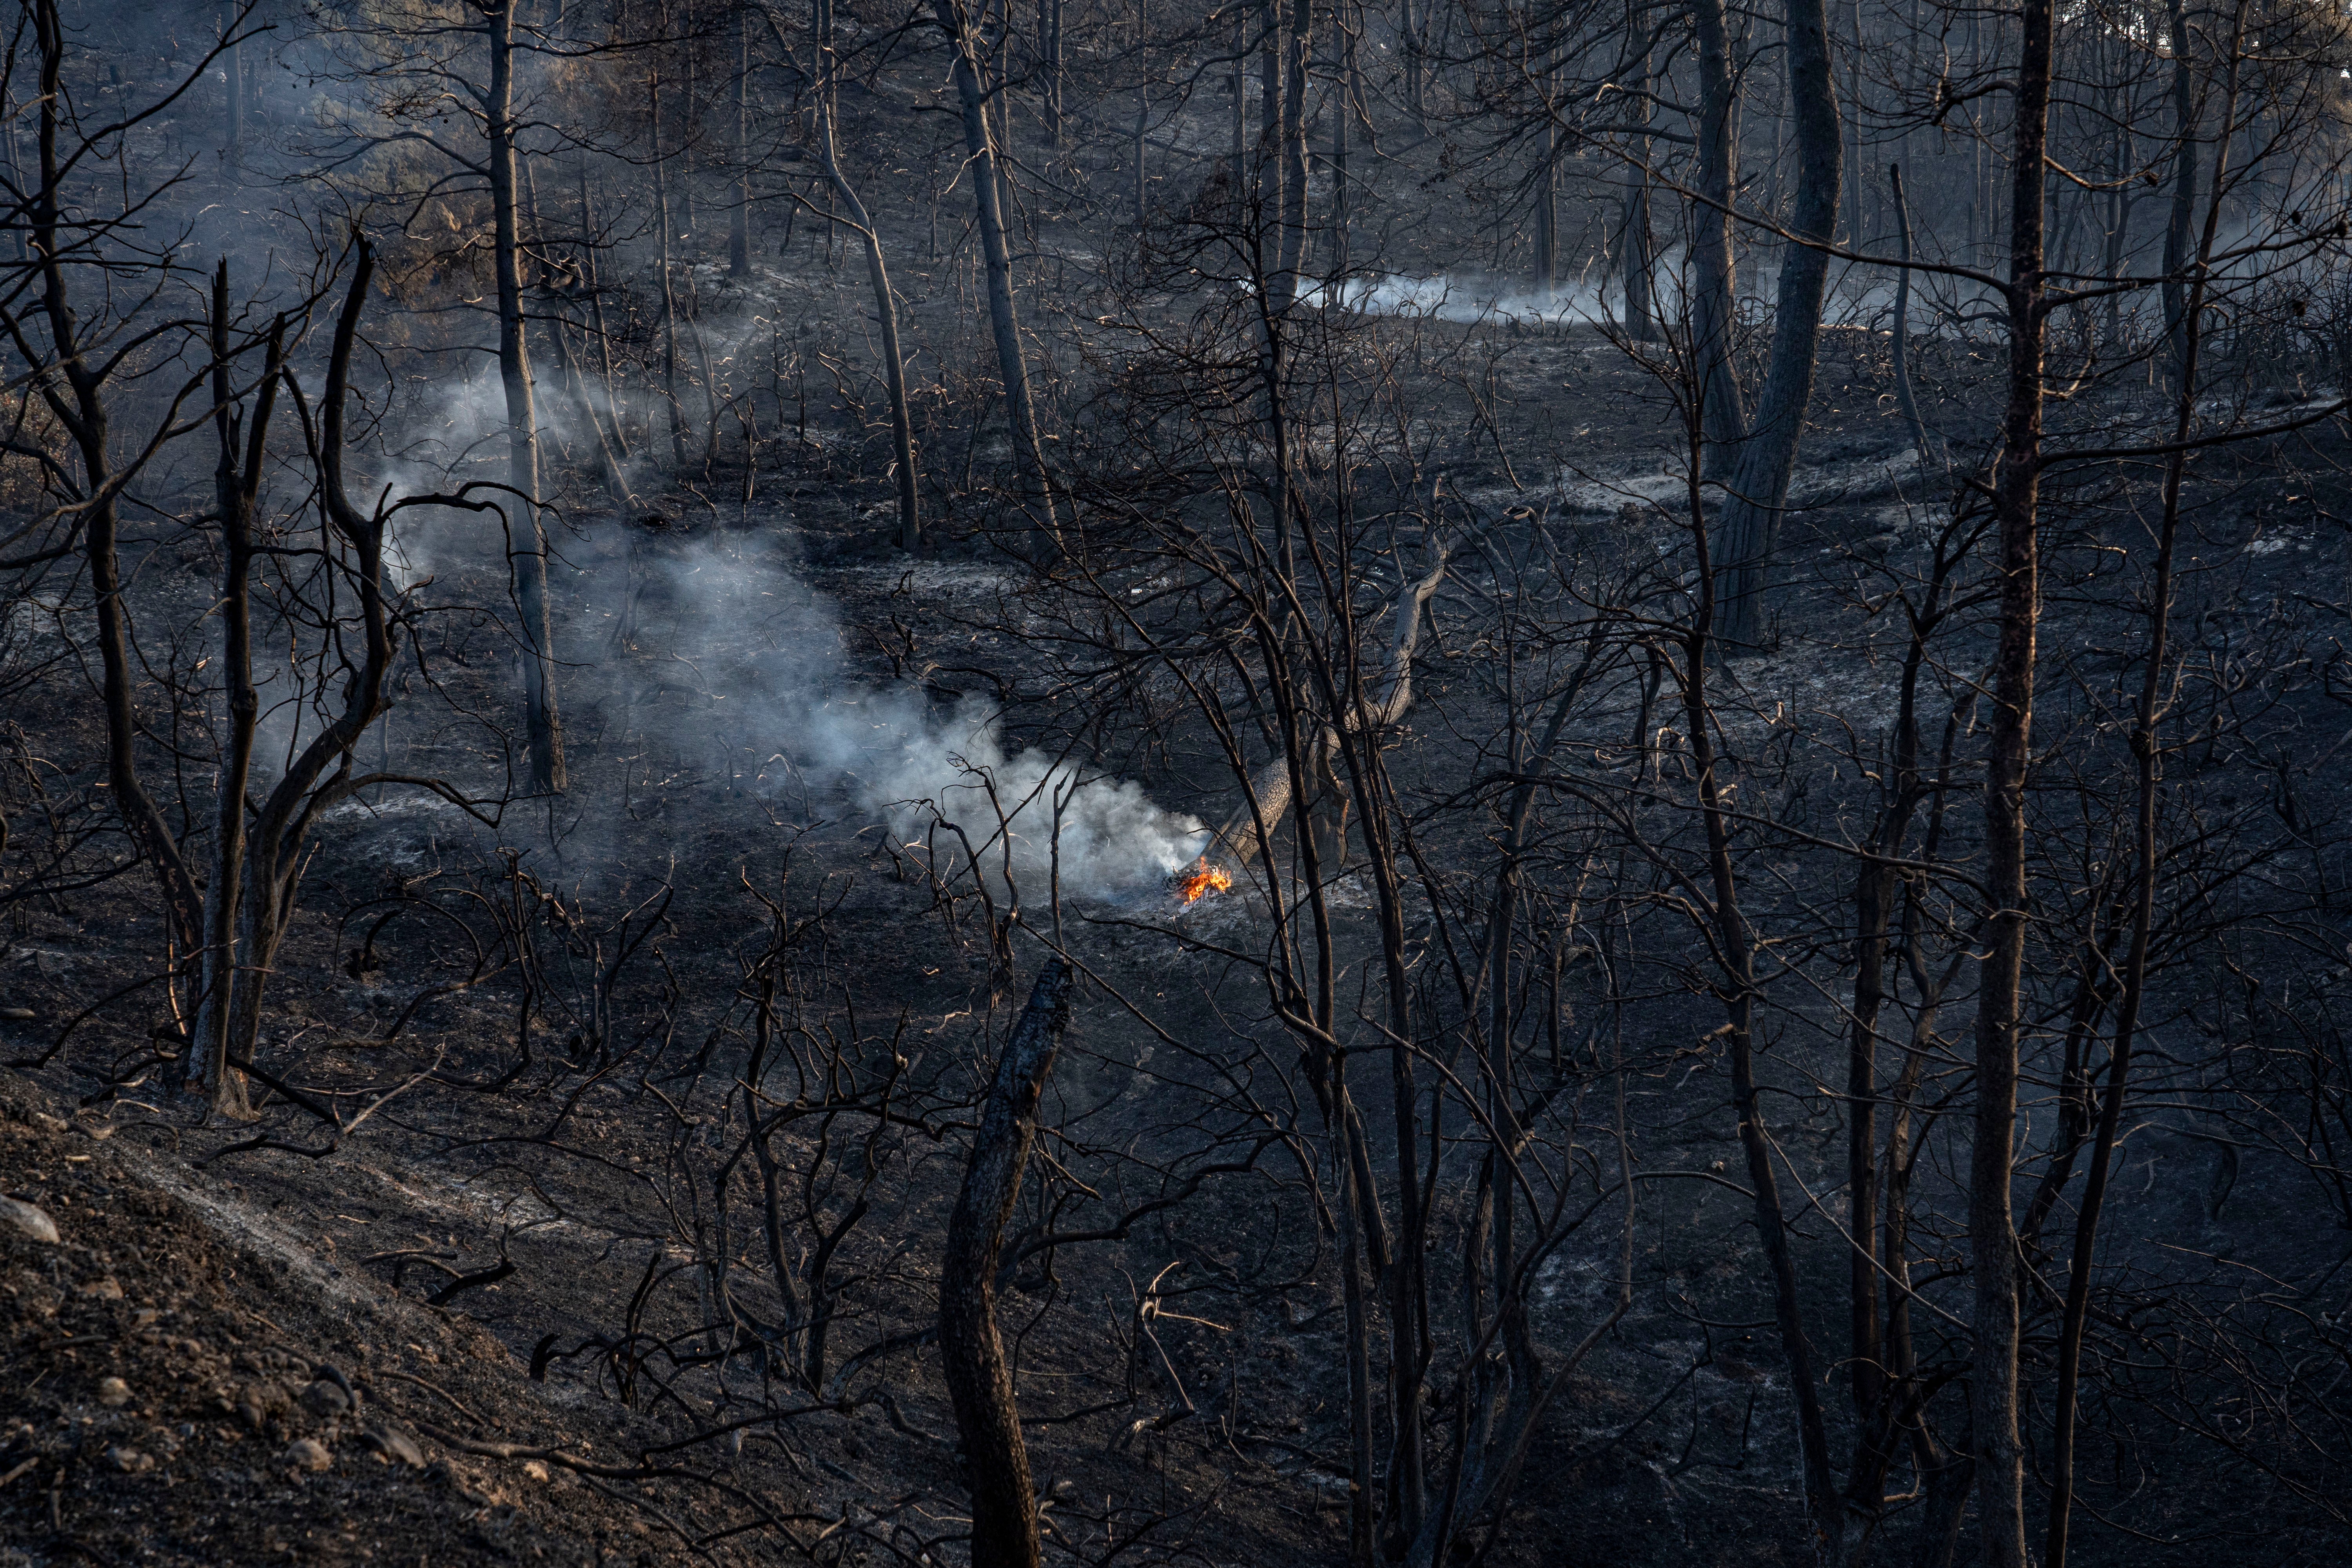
(28, 1218)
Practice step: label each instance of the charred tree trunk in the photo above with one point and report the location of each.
(233, 76)
(739, 221)
(1641, 317)
(1547, 204)
(71, 384)
(886, 299)
(1714, 306)
(1142, 124)
(321, 774)
(2180, 217)
(1270, 77)
(1907, 397)
(2147, 862)
(1237, 84)
(2016, 502)
(1736, 946)
(979, 1377)
(988, 186)
(1298, 39)
(1853, 116)
(1747, 534)
(527, 554)
(1342, 114)
(237, 485)
(668, 287)
(1410, 47)
(1049, 69)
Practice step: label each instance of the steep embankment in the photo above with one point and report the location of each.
(181, 1382)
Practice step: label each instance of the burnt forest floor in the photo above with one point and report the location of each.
(288, 1393)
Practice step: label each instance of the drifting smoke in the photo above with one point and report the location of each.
(1859, 297)
(1465, 298)
(738, 659)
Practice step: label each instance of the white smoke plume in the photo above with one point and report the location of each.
(1025, 816)
(738, 658)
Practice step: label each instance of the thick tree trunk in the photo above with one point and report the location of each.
(1269, 76)
(1641, 316)
(1142, 124)
(1409, 45)
(1853, 107)
(526, 533)
(689, 120)
(1747, 534)
(668, 289)
(1547, 204)
(1342, 114)
(1237, 84)
(2016, 501)
(979, 1377)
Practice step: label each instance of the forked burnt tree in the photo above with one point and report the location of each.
(262, 840)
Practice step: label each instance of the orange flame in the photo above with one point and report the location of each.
(1200, 880)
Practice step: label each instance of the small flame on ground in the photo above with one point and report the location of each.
(1203, 878)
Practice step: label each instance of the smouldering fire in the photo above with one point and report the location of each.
(1200, 880)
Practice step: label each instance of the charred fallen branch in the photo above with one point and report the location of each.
(1381, 697)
